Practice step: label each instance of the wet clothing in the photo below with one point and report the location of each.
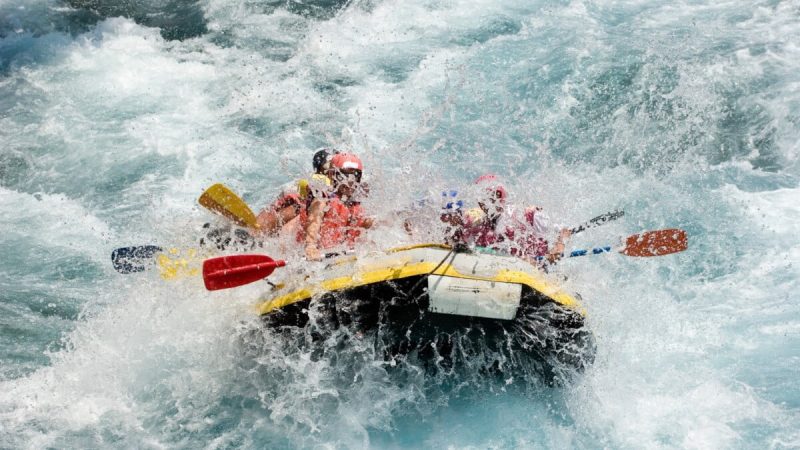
(508, 233)
(287, 199)
(341, 223)
(298, 194)
(295, 196)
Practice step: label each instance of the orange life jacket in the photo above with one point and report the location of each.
(341, 224)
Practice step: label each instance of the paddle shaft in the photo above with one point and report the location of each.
(594, 251)
(597, 221)
(583, 252)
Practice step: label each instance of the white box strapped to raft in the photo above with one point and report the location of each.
(475, 298)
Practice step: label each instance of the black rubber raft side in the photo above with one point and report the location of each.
(397, 314)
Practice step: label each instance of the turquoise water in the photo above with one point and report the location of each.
(113, 119)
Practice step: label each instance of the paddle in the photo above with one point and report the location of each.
(220, 199)
(236, 270)
(597, 221)
(133, 259)
(647, 244)
(172, 263)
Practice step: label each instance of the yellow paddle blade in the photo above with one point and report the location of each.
(220, 199)
(177, 263)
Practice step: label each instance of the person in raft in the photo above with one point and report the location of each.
(282, 213)
(335, 218)
(494, 225)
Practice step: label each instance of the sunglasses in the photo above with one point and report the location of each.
(346, 175)
(498, 197)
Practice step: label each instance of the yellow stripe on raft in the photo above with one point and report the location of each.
(410, 270)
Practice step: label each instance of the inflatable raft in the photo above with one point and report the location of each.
(437, 303)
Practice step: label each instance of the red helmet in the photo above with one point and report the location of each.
(346, 161)
(493, 186)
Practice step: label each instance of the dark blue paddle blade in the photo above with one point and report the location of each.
(133, 259)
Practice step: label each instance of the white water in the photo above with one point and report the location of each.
(685, 115)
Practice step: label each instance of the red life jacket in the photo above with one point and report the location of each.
(341, 224)
(517, 239)
(483, 233)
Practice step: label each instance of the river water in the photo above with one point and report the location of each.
(115, 117)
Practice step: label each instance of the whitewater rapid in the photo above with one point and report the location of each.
(113, 119)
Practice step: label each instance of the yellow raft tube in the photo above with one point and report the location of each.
(439, 304)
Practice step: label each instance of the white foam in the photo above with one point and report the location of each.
(154, 360)
(53, 221)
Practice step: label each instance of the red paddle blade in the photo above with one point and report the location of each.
(236, 270)
(656, 243)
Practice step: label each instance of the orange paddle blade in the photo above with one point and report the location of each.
(231, 271)
(656, 243)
